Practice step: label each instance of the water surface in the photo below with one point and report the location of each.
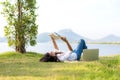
(104, 49)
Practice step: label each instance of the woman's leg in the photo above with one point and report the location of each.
(79, 49)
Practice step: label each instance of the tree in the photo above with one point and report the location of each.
(21, 29)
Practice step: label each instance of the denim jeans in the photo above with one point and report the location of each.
(79, 49)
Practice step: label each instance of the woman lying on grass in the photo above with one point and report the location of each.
(58, 56)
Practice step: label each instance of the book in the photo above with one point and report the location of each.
(55, 35)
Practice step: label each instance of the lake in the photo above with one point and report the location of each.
(104, 49)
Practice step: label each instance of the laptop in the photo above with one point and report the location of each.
(90, 54)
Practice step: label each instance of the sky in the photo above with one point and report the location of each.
(93, 19)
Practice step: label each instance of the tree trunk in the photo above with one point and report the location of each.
(20, 40)
(20, 49)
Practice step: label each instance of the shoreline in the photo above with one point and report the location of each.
(44, 53)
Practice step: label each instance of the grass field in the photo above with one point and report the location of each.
(16, 66)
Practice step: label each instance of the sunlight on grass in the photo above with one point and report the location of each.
(16, 66)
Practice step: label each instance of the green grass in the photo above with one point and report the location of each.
(16, 66)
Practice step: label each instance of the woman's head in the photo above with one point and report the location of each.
(49, 58)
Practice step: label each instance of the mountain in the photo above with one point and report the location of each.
(109, 38)
(3, 39)
(74, 37)
(71, 36)
(68, 33)
(43, 37)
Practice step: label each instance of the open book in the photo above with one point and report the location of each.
(55, 35)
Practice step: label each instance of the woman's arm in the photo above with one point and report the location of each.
(54, 43)
(64, 39)
(68, 44)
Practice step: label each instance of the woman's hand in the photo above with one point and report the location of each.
(51, 35)
(64, 39)
(68, 44)
(54, 36)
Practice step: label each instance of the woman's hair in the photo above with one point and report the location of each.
(48, 58)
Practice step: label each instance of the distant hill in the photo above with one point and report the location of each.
(71, 36)
(3, 39)
(43, 37)
(68, 33)
(109, 38)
